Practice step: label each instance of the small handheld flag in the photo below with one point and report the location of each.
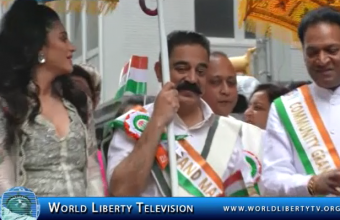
(133, 79)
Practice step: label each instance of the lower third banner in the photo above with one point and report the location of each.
(168, 208)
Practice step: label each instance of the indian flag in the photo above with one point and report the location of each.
(235, 186)
(133, 78)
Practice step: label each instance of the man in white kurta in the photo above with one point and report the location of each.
(221, 94)
(302, 140)
(209, 162)
(121, 146)
(284, 174)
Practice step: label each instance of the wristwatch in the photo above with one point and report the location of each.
(311, 186)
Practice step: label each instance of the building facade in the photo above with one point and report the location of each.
(108, 41)
(128, 31)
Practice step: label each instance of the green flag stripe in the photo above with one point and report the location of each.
(137, 88)
(240, 193)
(281, 110)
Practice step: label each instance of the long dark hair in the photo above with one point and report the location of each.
(296, 84)
(81, 72)
(23, 33)
(273, 91)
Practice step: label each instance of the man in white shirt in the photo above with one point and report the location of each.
(221, 88)
(302, 140)
(208, 165)
(221, 93)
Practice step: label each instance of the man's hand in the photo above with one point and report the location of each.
(166, 104)
(327, 183)
(137, 166)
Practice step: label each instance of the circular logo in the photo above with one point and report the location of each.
(254, 162)
(140, 122)
(19, 203)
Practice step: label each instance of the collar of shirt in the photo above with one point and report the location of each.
(208, 115)
(324, 94)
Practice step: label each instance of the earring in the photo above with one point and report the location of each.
(41, 58)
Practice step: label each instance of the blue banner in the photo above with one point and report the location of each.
(189, 208)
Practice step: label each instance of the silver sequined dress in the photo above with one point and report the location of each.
(49, 165)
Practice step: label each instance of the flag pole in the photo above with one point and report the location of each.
(166, 78)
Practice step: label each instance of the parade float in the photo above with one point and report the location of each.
(103, 7)
(271, 19)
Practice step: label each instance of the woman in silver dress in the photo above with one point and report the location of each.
(47, 140)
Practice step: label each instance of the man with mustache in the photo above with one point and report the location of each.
(209, 162)
(221, 94)
(302, 140)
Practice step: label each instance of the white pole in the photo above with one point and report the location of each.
(166, 78)
(1, 11)
(121, 76)
(84, 32)
(101, 52)
(68, 21)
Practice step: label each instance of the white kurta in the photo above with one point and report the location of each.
(283, 173)
(121, 147)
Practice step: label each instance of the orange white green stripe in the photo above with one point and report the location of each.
(199, 174)
(234, 185)
(133, 79)
(302, 121)
(197, 171)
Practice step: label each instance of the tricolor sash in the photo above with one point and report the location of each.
(307, 131)
(201, 174)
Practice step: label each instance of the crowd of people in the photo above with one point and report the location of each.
(273, 140)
